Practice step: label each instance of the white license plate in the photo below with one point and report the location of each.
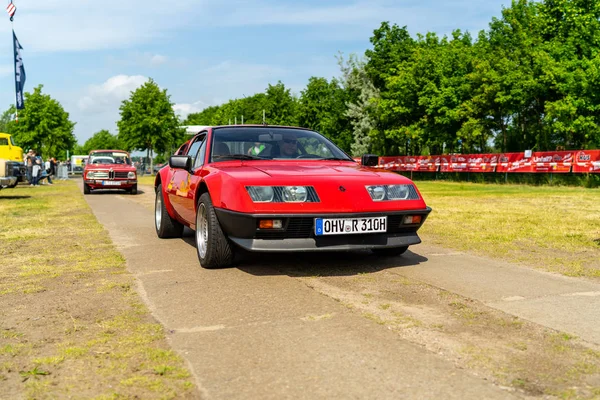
(345, 226)
(111, 183)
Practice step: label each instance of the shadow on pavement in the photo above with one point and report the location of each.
(335, 263)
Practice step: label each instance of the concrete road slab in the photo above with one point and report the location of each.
(267, 335)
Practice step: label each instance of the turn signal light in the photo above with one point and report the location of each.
(270, 224)
(412, 219)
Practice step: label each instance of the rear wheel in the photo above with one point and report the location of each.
(390, 251)
(86, 188)
(214, 249)
(166, 227)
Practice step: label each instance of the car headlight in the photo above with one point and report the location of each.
(294, 194)
(398, 192)
(283, 194)
(392, 192)
(90, 175)
(131, 175)
(261, 194)
(377, 192)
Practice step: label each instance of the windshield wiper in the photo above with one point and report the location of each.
(336, 159)
(237, 157)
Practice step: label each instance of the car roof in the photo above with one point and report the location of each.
(107, 150)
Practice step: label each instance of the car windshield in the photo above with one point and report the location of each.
(271, 143)
(109, 157)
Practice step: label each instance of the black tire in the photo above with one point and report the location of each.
(86, 188)
(218, 251)
(133, 189)
(13, 186)
(390, 251)
(166, 227)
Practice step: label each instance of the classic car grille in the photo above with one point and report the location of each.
(303, 228)
(110, 175)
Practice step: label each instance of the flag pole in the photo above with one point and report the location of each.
(12, 26)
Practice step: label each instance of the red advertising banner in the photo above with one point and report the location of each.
(444, 163)
(580, 161)
(426, 164)
(587, 161)
(513, 162)
(552, 161)
(482, 162)
(458, 163)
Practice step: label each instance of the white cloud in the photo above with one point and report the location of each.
(185, 109)
(110, 94)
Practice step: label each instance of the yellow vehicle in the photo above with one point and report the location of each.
(12, 169)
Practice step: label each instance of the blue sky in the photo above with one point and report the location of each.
(90, 54)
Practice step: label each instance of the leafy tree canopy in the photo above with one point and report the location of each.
(43, 125)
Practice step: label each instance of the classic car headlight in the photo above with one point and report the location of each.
(90, 175)
(377, 192)
(283, 194)
(131, 175)
(294, 194)
(392, 192)
(397, 192)
(261, 194)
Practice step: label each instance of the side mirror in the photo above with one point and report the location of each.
(181, 162)
(369, 160)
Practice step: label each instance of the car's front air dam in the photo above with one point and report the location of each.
(338, 243)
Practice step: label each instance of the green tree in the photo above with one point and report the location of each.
(322, 107)
(102, 140)
(43, 125)
(148, 121)
(204, 117)
(280, 106)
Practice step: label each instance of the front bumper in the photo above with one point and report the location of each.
(98, 184)
(8, 181)
(298, 232)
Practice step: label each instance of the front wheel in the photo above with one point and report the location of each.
(133, 189)
(166, 227)
(213, 247)
(86, 188)
(390, 251)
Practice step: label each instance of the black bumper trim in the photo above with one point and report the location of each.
(296, 226)
(333, 243)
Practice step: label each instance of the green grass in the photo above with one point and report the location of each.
(88, 330)
(552, 228)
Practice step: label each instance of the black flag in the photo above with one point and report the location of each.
(19, 73)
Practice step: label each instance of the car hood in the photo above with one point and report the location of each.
(340, 186)
(103, 167)
(280, 170)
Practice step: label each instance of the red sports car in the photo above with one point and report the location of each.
(109, 169)
(282, 189)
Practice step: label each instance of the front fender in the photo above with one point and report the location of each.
(164, 177)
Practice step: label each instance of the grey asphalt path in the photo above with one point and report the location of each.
(567, 304)
(255, 333)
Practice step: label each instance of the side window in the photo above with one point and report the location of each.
(201, 155)
(3, 142)
(194, 147)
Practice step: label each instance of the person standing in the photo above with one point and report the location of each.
(36, 169)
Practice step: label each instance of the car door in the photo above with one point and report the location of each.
(194, 180)
(180, 187)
